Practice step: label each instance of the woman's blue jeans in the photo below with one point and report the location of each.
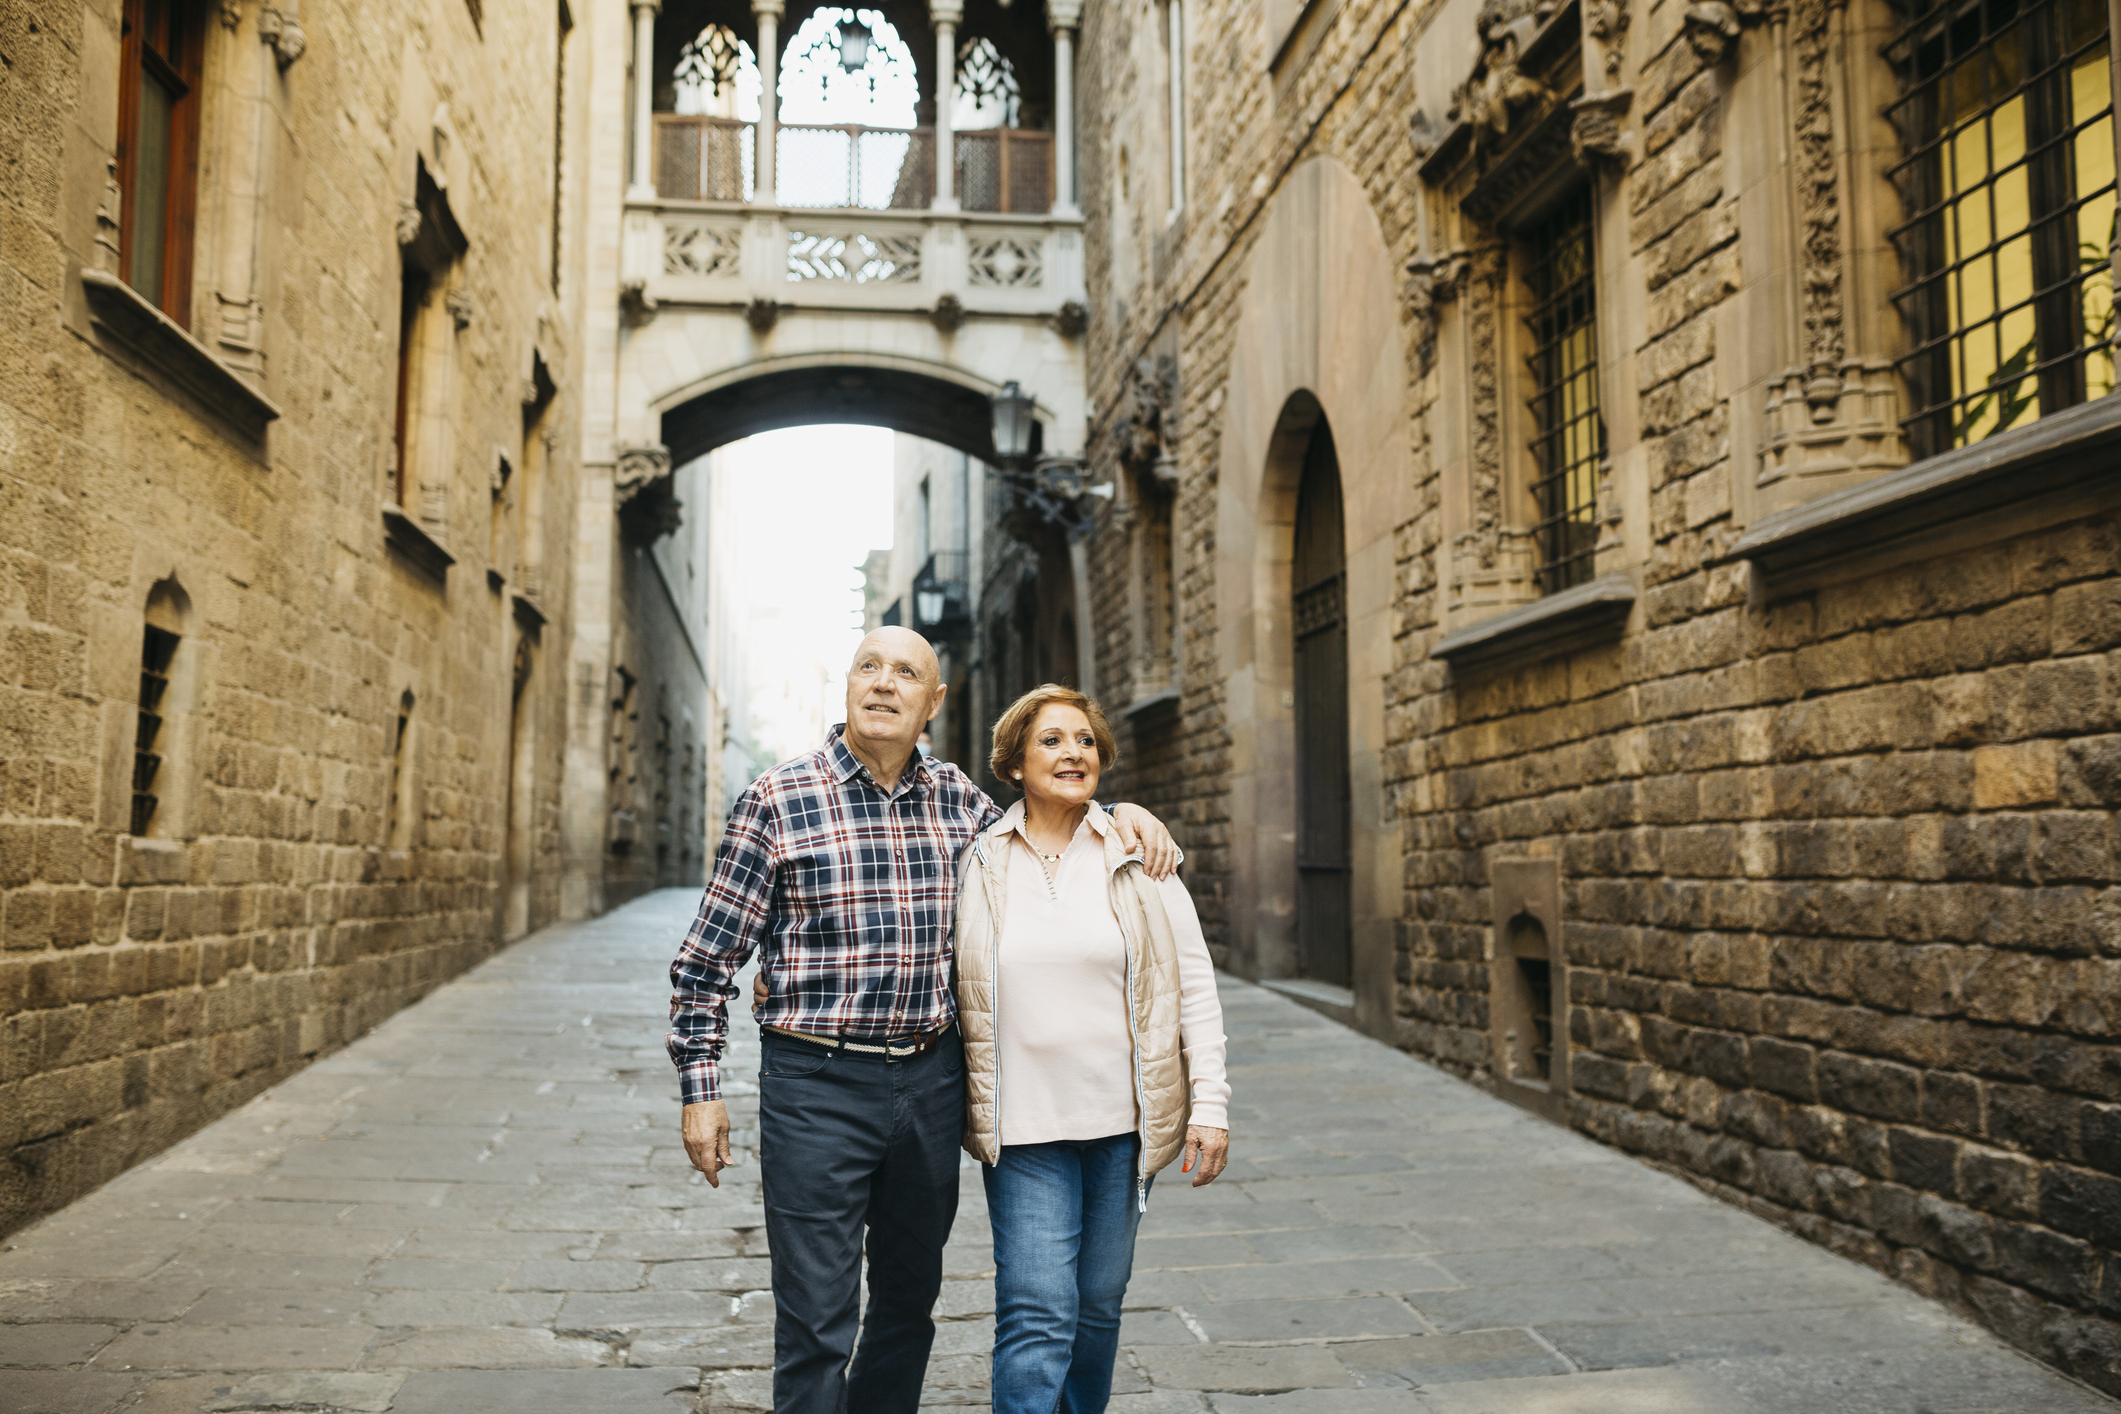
(1064, 1219)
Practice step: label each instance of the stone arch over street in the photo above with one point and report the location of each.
(1318, 338)
(938, 402)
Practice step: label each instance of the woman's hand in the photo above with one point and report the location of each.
(1206, 1152)
(759, 994)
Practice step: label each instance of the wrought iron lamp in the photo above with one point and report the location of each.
(1013, 423)
(855, 38)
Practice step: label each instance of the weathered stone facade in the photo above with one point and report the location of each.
(1808, 790)
(362, 720)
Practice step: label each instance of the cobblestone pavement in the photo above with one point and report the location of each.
(482, 1206)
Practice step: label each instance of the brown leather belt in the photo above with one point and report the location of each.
(891, 1051)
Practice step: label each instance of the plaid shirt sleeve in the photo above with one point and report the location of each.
(733, 918)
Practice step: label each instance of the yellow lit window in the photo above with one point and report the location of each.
(2006, 118)
(1569, 442)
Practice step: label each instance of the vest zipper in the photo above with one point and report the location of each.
(994, 973)
(1141, 1097)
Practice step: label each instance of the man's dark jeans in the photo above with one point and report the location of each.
(847, 1141)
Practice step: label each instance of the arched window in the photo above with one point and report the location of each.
(988, 95)
(154, 737)
(816, 88)
(718, 76)
(398, 823)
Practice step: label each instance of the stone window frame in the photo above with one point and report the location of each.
(205, 339)
(436, 310)
(1527, 888)
(1469, 305)
(1832, 487)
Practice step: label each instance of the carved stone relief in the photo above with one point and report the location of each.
(1713, 26)
(1819, 207)
(697, 248)
(1607, 21)
(643, 488)
(1146, 401)
(1596, 134)
(1430, 283)
(1497, 88)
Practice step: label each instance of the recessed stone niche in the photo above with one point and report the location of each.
(1528, 985)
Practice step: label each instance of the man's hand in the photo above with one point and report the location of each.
(1142, 833)
(758, 991)
(1206, 1151)
(706, 1130)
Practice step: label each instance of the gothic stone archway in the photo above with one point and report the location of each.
(1318, 335)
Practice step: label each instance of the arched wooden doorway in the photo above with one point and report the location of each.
(1318, 582)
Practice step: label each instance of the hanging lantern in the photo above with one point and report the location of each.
(1012, 422)
(855, 38)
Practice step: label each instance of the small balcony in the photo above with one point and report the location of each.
(846, 167)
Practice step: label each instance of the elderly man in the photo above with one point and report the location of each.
(841, 868)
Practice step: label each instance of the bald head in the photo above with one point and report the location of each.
(902, 645)
(894, 689)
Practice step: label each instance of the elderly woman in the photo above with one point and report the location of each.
(1093, 1052)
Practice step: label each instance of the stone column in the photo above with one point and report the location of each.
(1178, 108)
(944, 15)
(643, 187)
(765, 171)
(1064, 17)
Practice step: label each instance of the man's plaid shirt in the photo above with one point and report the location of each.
(849, 891)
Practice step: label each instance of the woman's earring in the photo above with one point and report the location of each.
(1019, 775)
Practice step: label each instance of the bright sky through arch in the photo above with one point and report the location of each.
(807, 504)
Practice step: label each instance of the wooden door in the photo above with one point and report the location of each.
(1318, 580)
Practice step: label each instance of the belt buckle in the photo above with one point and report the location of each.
(921, 1046)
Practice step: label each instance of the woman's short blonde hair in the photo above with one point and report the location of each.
(1013, 732)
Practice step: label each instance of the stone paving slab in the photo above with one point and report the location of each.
(483, 1206)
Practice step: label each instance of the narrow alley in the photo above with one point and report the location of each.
(481, 1206)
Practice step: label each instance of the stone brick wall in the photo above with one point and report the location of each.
(1838, 864)
(149, 985)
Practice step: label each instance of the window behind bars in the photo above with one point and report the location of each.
(1569, 442)
(2007, 181)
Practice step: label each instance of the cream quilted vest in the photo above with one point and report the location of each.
(1163, 1092)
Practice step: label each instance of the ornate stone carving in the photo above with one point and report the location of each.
(640, 466)
(636, 305)
(762, 314)
(698, 248)
(1818, 207)
(855, 257)
(1140, 433)
(642, 487)
(1596, 135)
(280, 28)
(1072, 320)
(1486, 267)
(1497, 88)
(948, 316)
(1860, 434)
(1431, 282)
(1712, 26)
(1422, 134)
(408, 221)
(462, 310)
(108, 212)
(1607, 21)
(1006, 262)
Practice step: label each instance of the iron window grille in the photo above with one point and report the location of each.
(1569, 446)
(156, 652)
(2006, 123)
